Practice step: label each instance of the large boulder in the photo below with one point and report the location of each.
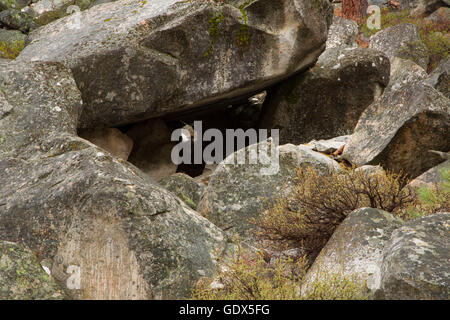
(328, 100)
(139, 59)
(355, 249)
(108, 231)
(416, 260)
(398, 129)
(440, 77)
(236, 193)
(22, 277)
(403, 41)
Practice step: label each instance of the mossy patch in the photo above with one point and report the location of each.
(11, 50)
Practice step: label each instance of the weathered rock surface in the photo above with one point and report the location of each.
(403, 41)
(398, 129)
(237, 193)
(328, 146)
(416, 260)
(432, 177)
(13, 4)
(22, 277)
(421, 6)
(440, 77)
(110, 139)
(404, 72)
(16, 20)
(328, 100)
(356, 248)
(342, 33)
(185, 188)
(134, 60)
(109, 231)
(45, 11)
(440, 16)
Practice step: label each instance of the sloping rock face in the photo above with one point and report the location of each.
(185, 187)
(440, 77)
(237, 193)
(109, 231)
(432, 177)
(403, 41)
(355, 248)
(140, 59)
(398, 129)
(22, 278)
(404, 72)
(416, 260)
(327, 101)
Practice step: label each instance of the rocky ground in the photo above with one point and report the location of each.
(93, 207)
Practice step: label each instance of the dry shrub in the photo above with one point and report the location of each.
(317, 204)
(249, 277)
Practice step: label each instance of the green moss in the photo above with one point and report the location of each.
(11, 50)
(214, 24)
(243, 36)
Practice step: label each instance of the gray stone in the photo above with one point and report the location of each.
(237, 193)
(355, 249)
(185, 188)
(141, 59)
(45, 11)
(398, 129)
(22, 278)
(404, 72)
(403, 41)
(328, 100)
(16, 20)
(416, 260)
(11, 43)
(342, 33)
(421, 6)
(83, 209)
(13, 4)
(440, 77)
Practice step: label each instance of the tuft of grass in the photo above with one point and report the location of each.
(433, 199)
